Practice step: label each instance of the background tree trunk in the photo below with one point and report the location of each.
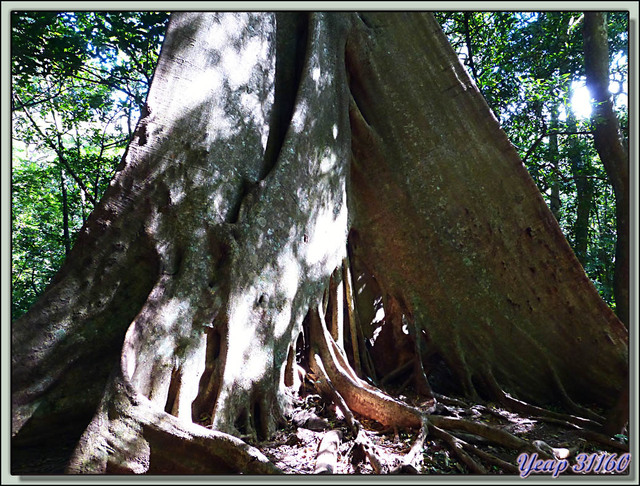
(65, 213)
(265, 139)
(613, 154)
(554, 160)
(581, 172)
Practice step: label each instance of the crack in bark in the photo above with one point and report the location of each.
(292, 32)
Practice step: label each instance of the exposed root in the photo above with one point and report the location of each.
(326, 386)
(362, 359)
(351, 314)
(327, 457)
(131, 435)
(361, 397)
(362, 441)
(495, 435)
(351, 394)
(414, 456)
(456, 446)
(449, 401)
(334, 308)
(587, 433)
(489, 458)
(369, 402)
(523, 407)
(569, 404)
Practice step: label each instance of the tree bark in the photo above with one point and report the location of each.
(451, 224)
(228, 237)
(267, 138)
(613, 153)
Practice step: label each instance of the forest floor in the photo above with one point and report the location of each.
(295, 448)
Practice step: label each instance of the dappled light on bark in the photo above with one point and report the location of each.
(300, 220)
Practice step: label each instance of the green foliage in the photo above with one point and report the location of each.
(527, 65)
(42, 43)
(78, 81)
(38, 249)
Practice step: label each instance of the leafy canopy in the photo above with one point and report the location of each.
(78, 82)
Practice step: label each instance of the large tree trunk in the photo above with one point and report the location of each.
(266, 139)
(453, 227)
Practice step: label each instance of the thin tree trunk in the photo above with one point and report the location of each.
(554, 160)
(65, 214)
(580, 171)
(469, 43)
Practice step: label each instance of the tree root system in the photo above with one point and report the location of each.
(367, 431)
(468, 439)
